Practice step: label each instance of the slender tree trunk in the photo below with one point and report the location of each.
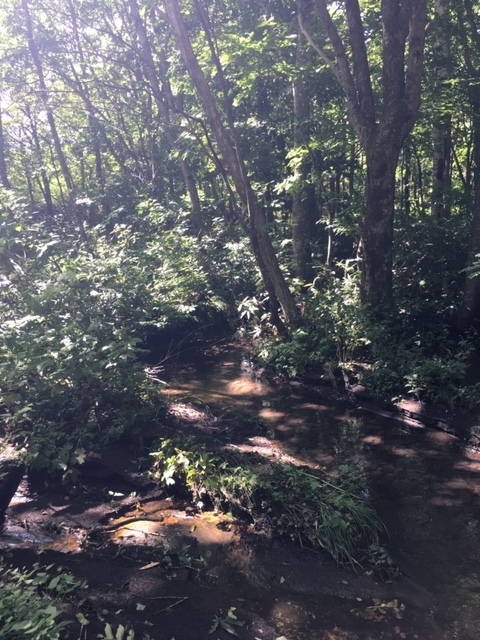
(470, 307)
(468, 27)
(332, 207)
(261, 242)
(3, 163)
(442, 124)
(407, 179)
(83, 87)
(44, 180)
(164, 115)
(303, 206)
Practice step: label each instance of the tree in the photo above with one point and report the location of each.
(67, 176)
(303, 205)
(228, 143)
(468, 19)
(442, 126)
(163, 100)
(381, 122)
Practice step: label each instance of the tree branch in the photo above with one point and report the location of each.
(343, 73)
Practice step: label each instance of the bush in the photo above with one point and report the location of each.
(397, 355)
(30, 602)
(310, 507)
(71, 320)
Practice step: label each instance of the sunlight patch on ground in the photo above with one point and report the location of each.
(310, 406)
(403, 452)
(271, 414)
(375, 440)
(244, 387)
(468, 465)
(464, 484)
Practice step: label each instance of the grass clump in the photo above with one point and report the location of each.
(309, 507)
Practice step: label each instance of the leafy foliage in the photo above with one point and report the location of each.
(71, 322)
(311, 508)
(30, 601)
(427, 362)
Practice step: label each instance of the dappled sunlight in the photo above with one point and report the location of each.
(439, 438)
(244, 387)
(271, 414)
(284, 612)
(158, 519)
(421, 483)
(445, 500)
(373, 440)
(472, 485)
(403, 452)
(468, 465)
(311, 406)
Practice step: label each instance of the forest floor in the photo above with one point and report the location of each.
(158, 566)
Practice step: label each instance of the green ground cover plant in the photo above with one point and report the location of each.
(312, 508)
(31, 601)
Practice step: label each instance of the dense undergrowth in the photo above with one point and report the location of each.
(412, 351)
(73, 317)
(75, 314)
(31, 601)
(311, 508)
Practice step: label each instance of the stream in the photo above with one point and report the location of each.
(425, 487)
(423, 484)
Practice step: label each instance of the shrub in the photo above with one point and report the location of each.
(71, 320)
(30, 601)
(310, 507)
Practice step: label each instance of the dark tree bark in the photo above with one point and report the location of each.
(470, 307)
(230, 150)
(303, 206)
(469, 310)
(44, 180)
(442, 125)
(381, 128)
(34, 52)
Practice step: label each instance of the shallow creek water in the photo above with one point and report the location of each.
(425, 487)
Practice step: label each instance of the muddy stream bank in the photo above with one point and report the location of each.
(113, 524)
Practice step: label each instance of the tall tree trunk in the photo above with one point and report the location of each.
(44, 180)
(164, 115)
(303, 206)
(261, 242)
(377, 229)
(406, 180)
(469, 310)
(3, 163)
(381, 131)
(93, 125)
(442, 123)
(468, 26)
